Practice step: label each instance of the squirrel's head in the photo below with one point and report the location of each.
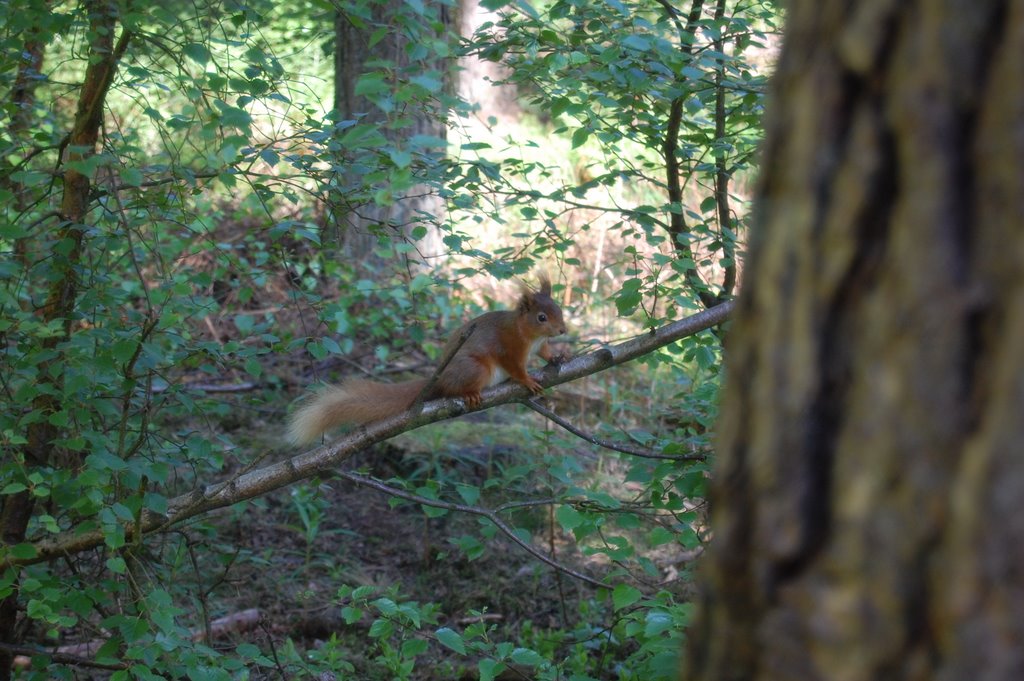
(540, 312)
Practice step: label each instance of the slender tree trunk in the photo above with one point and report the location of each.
(23, 99)
(679, 230)
(868, 504)
(726, 230)
(66, 245)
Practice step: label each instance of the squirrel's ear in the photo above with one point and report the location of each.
(545, 286)
(525, 302)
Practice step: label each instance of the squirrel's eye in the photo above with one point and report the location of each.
(542, 318)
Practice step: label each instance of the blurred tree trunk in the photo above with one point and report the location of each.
(868, 506)
(380, 40)
(481, 81)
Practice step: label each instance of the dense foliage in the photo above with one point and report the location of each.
(189, 246)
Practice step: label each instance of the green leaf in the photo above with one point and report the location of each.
(659, 536)
(657, 622)
(155, 502)
(59, 419)
(381, 629)
(248, 650)
(628, 297)
(469, 493)
(400, 158)
(470, 545)
(370, 84)
(131, 176)
(637, 42)
(124, 349)
(433, 511)
(451, 639)
(525, 656)
(23, 551)
(197, 53)
(429, 82)
(234, 116)
(316, 348)
(624, 596)
(414, 647)
(253, 367)
(363, 136)
(30, 178)
(568, 517)
(489, 669)
(270, 157)
(385, 606)
(705, 357)
(244, 323)
(579, 137)
(363, 592)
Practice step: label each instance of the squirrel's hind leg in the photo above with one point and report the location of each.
(465, 377)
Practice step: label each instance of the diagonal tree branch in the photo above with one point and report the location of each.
(260, 481)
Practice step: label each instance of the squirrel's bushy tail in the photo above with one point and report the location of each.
(354, 401)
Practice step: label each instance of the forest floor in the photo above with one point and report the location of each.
(290, 551)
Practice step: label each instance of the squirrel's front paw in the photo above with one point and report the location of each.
(535, 387)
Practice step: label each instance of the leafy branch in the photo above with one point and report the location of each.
(319, 461)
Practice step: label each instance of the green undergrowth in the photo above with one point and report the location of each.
(382, 588)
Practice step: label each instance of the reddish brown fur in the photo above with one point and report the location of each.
(499, 340)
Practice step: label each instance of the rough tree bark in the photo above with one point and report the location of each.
(868, 506)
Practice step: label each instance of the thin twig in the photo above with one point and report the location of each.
(43, 218)
(472, 510)
(721, 164)
(607, 444)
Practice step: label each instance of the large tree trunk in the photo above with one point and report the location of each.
(868, 506)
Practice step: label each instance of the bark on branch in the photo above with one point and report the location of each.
(257, 482)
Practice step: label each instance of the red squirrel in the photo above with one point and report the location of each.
(497, 348)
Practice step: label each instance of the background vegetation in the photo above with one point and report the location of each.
(197, 225)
